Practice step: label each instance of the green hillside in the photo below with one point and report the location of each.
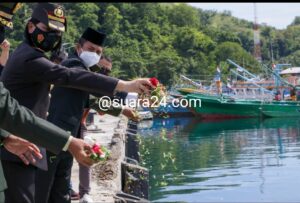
(168, 39)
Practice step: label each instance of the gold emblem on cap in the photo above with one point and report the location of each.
(59, 12)
(9, 24)
(17, 7)
(6, 23)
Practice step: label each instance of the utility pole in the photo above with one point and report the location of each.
(257, 50)
(272, 58)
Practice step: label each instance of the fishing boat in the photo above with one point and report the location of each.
(213, 107)
(205, 127)
(186, 90)
(244, 84)
(171, 108)
(145, 115)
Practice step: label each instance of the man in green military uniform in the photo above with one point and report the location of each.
(22, 122)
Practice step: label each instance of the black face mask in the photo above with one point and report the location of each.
(46, 41)
(2, 34)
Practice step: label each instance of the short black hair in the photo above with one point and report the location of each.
(81, 41)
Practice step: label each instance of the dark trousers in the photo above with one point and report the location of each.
(54, 185)
(20, 180)
(2, 198)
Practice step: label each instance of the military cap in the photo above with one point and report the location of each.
(52, 15)
(94, 36)
(7, 11)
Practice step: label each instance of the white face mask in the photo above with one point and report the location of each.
(89, 58)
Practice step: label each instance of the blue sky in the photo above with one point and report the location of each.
(278, 15)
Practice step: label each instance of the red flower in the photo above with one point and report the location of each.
(40, 38)
(154, 81)
(100, 152)
(96, 148)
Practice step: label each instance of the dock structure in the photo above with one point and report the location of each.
(107, 179)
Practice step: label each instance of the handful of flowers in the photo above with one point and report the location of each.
(100, 153)
(136, 116)
(159, 93)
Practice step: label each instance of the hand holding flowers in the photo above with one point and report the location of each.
(99, 153)
(157, 95)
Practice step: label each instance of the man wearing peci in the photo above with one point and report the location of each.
(66, 110)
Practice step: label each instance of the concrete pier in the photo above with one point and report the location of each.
(106, 178)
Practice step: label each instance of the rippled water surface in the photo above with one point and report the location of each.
(247, 160)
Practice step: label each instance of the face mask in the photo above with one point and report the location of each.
(46, 41)
(2, 34)
(90, 58)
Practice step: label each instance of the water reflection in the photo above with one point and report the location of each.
(232, 161)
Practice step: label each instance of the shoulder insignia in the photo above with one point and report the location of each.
(59, 12)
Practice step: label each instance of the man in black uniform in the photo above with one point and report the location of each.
(7, 11)
(28, 75)
(22, 122)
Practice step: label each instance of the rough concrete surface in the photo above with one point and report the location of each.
(106, 177)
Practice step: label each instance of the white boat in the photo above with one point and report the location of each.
(145, 115)
(292, 70)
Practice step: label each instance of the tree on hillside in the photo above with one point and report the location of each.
(183, 15)
(166, 39)
(189, 41)
(112, 18)
(233, 51)
(296, 21)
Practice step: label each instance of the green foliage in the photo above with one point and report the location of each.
(220, 36)
(184, 15)
(168, 39)
(233, 51)
(296, 21)
(111, 19)
(293, 58)
(166, 66)
(190, 41)
(292, 36)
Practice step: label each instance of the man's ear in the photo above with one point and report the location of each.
(78, 48)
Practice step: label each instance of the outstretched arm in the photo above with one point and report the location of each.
(22, 122)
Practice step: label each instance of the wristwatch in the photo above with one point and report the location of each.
(2, 141)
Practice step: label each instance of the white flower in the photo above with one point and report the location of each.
(103, 155)
(89, 140)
